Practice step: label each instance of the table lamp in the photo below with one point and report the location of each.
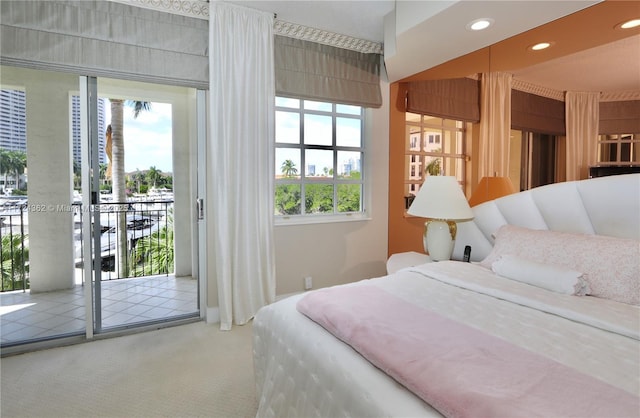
(440, 199)
(491, 188)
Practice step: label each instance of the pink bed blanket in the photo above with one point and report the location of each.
(457, 369)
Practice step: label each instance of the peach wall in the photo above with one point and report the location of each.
(405, 233)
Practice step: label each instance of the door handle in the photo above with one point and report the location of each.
(200, 206)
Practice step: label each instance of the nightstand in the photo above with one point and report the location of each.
(402, 260)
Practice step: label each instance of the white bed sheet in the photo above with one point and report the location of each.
(303, 371)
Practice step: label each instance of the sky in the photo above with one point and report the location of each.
(318, 131)
(147, 139)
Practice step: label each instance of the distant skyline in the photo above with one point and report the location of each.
(147, 139)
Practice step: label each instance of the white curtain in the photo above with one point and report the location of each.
(241, 154)
(495, 124)
(582, 113)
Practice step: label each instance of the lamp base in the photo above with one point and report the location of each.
(439, 238)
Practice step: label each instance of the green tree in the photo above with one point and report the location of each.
(15, 262)
(77, 175)
(154, 253)
(4, 164)
(287, 199)
(12, 162)
(288, 168)
(348, 198)
(137, 180)
(349, 194)
(318, 198)
(434, 168)
(104, 177)
(153, 176)
(18, 163)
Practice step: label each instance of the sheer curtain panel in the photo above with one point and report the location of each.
(495, 124)
(582, 116)
(242, 122)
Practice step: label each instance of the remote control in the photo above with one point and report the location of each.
(467, 253)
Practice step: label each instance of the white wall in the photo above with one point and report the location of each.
(49, 175)
(342, 252)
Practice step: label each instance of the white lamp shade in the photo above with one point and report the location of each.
(441, 197)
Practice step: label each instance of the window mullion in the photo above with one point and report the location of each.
(320, 153)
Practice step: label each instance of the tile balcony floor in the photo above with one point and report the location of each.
(25, 316)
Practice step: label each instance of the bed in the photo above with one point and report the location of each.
(544, 320)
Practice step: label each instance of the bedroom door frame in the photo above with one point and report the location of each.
(184, 104)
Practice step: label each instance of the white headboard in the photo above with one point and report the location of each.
(601, 206)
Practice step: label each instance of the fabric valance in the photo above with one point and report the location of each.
(620, 117)
(310, 70)
(104, 38)
(535, 113)
(457, 98)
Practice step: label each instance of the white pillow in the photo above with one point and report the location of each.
(611, 265)
(555, 278)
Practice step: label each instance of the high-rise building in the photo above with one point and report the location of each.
(13, 124)
(75, 120)
(13, 120)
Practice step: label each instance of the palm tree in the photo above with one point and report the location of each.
(77, 175)
(153, 254)
(433, 168)
(103, 172)
(14, 261)
(19, 163)
(13, 162)
(153, 175)
(137, 178)
(115, 131)
(4, 164)
(288, 168)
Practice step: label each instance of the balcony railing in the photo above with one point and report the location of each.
(149, 240)
(14, 246)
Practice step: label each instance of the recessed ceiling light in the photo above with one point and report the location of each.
(480, 24)
(633, 23)
(540, 46)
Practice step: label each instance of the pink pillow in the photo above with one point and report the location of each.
(611, 265)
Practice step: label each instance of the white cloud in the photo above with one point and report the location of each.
(148, 138)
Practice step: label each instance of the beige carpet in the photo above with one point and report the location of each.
(192, 370)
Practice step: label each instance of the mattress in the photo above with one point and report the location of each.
(302, 370)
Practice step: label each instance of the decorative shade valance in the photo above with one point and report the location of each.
(311, 70)
(620, 117)
(456, 98)
(104, 38)
(535, 113)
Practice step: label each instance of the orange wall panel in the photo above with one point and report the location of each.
(405, 232)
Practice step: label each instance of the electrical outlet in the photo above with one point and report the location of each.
(308, 283)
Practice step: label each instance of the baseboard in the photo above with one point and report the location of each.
(286, 295)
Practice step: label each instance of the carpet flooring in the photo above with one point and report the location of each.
(192, 370)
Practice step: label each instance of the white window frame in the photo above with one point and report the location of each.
(632, 140)
(414, 172)
(303, 179)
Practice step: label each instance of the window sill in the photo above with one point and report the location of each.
(320, 219)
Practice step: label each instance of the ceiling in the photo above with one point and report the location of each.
(430, 39)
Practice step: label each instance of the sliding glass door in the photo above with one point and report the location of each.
(77, 258)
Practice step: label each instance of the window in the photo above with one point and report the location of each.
(538, 158)
(319, 158)
(434, 146)
(619, 149)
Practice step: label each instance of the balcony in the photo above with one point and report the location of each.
(149, 292)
